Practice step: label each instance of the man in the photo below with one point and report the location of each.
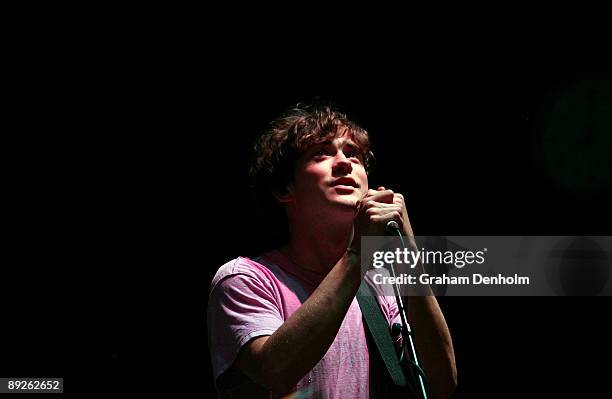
(288, 321)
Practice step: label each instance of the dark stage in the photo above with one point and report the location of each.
(168, 188)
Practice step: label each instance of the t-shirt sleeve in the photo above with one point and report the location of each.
(240, 308)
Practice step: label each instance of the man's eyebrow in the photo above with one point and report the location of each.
(345, 142)
(320, 144)
(352, 145)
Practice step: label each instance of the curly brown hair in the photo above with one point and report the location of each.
(288, 137)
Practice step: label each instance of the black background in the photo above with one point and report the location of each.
(153, 178)
(460, 145)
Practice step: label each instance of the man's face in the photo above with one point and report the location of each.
(330, 173)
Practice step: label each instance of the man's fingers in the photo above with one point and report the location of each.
(386, 218)
(382, 209)
(380, 196)
(384, 205)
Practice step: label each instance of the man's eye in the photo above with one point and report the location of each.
(353, 154)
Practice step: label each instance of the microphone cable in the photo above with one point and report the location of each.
(393, 228)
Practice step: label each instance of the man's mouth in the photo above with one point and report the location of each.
(345, 181)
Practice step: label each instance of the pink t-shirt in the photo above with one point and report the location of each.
(252, 298)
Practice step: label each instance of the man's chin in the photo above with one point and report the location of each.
(346, 201)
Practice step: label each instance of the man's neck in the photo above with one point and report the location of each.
(317, 246)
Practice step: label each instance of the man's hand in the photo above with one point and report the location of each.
(405, 226)
(375, 210)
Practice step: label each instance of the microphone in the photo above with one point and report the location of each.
(392, 227)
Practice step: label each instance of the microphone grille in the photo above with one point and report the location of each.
(392, 225)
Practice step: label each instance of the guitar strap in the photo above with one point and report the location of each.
(379, 332)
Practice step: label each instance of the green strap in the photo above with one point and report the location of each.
(379, 328)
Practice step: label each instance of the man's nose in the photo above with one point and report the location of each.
(342, 164)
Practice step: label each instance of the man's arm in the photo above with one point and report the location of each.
(278, 361)
(433, 344)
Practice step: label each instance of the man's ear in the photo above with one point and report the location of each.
(283, 195)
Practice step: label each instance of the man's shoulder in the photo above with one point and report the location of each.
(240, 266)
